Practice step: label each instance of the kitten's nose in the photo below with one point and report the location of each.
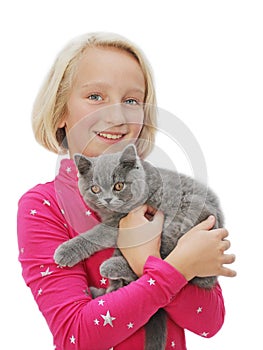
(108, 200)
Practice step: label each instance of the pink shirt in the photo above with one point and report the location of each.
(51, 213)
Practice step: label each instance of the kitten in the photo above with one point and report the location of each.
(114, 184)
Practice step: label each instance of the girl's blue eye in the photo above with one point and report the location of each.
(131, 101)
(95, 97)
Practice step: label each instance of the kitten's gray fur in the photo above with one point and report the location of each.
(184, 202)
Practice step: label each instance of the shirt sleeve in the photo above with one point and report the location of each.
(75, 320)
(199, 310)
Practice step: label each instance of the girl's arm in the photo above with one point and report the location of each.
(75, 320)
(198, 310)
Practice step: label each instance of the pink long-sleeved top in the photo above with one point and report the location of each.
(51, 213)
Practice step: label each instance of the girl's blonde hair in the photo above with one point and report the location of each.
(51, 102)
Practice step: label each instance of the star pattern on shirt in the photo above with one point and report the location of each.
(151, 282)
(96, 322)
(33, 212)
(72, 340)
(68, 169)
(40, 291)
(204, 334)
(103, 280)
(22, 250)
(101, 302)
(108, 319)
(199, 310)
(46, 273)
(88, 213)
(130, 325)
(173, 344)
(46, 202)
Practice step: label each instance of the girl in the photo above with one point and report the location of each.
(94, 71)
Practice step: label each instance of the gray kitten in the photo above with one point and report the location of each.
(114, 184)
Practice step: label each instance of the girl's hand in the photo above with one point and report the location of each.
(140, 236)
(201, 252)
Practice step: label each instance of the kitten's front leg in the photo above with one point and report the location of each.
(86, 244)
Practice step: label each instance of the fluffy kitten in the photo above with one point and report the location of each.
(114, 184)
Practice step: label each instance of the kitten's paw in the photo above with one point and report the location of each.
(117, 268)
(67, 255)
(109, 270)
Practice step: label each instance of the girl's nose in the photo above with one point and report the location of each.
(114, 115)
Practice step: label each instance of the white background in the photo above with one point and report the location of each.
(207, 57)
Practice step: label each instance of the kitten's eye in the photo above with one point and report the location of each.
(118, 186)
(95, 189)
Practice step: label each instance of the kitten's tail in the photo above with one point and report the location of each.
(155, 338)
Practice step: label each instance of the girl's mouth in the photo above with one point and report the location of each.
(110, 137)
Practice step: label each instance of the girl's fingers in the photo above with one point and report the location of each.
(227, 272)
(228, 258)
(225, 244)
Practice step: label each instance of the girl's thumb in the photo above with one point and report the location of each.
(206, 224)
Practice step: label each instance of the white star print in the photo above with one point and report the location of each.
(96, 322)
(39, 292)
(101, 302)
(88, 213)
(72, 340)
(62, 211)
(46, 273)
(22, 250)
(103, 281)
(68, 170)
(204, 334)
(46, 202)
(200, 309)
(33, 212)
(130, 325)
(172, 344)
(151, 282)
(108, 319)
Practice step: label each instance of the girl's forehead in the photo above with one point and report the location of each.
(109, 65)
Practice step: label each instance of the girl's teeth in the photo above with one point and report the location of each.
(110, 136)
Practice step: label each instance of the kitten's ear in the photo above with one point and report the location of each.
(129, 155)
(83, 164)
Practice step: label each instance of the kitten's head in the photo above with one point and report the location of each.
(112, 182)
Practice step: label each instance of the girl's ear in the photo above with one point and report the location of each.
(83, 164)
(62, 124)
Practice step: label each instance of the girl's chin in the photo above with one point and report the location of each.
(98, 146)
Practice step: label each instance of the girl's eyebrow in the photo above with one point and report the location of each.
(95, 84)
(103, 85)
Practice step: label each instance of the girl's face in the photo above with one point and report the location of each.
(105, 106)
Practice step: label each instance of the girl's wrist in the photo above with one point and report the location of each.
(180, 265)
